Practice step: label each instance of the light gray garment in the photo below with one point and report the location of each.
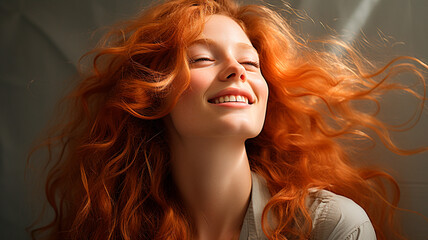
(333, 216)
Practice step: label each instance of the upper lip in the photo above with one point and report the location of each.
(234, 91)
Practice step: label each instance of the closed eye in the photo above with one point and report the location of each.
(252, 63)
(203, 59)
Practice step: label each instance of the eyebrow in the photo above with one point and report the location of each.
(210, 42)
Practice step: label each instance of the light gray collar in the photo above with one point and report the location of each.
(252, 227)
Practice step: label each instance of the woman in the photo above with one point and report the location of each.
(206, 120)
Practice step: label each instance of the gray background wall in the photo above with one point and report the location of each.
(42, 40)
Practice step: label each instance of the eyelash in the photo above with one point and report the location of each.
(199, 60)
(252, 63)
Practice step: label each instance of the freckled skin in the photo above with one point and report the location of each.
(209, 162)
(225, 62)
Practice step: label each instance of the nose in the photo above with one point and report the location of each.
(233, 71)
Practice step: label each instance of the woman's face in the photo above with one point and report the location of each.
(227, 94)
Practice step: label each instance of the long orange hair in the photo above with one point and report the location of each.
(111, 177)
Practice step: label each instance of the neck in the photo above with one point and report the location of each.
(214, 179)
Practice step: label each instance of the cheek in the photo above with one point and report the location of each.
(265, 89)
(199, 80)
(261, 89)
(195, 93)
(186, 115)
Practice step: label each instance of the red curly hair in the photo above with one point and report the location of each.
(111, 178)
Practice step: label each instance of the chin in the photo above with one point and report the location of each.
(244, 131)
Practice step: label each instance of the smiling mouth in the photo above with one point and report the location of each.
(230, 99)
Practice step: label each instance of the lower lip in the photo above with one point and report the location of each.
(232, 105)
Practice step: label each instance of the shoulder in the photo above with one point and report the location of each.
(337, 217)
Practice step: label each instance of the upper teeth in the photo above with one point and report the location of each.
(231, 98)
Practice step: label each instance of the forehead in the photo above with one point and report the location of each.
(221, 28)
(223, 31)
